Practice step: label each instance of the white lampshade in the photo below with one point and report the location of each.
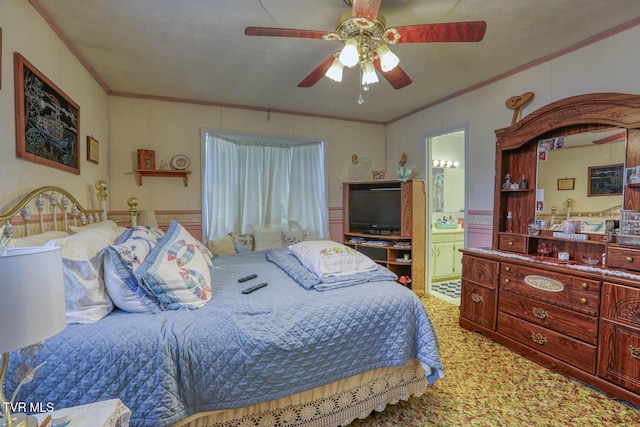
(32, 306)
(349, 53)
(148, 219)
(369, 74)
(388, 59)
(335, 71)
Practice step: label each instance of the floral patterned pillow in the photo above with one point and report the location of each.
(242, 242)
(327, 258)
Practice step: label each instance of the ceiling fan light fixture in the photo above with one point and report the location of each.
(369, 74)
(388, 59)
(335, 71)
(349, 53)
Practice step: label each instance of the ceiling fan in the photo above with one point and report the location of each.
(366, 36)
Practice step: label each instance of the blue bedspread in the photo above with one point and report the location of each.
(235, 351)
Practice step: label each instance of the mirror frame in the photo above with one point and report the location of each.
(568, 116)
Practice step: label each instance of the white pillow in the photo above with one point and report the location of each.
(85, 294)
(121, 261)
(267, 238)
(36, 239)
(328, 258)
(222, 246)
(176, 271)
(291, 237)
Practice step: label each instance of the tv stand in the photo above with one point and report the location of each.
(402, 252)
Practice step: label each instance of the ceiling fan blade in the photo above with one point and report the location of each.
(366, 9)
(284, 32)
(472, 31)
(317, 74)
(396, 77)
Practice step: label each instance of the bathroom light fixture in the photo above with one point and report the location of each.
(445, 163)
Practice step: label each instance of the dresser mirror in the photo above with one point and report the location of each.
(580, 177)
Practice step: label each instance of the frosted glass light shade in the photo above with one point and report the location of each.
(32, 306)
(388, 59)
(335, 71)
(369, 74)
(349, 53)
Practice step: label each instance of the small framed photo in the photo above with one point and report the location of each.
(377, 175)
(566, 183)
(93, 150)
(146, 159)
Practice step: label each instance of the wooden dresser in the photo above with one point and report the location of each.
(579, 319)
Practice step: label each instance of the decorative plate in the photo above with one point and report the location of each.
(180, 162)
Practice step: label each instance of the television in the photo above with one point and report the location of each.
(375, 210)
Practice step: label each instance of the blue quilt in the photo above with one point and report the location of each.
(235, 351)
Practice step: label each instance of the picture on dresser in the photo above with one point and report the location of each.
(606, 180)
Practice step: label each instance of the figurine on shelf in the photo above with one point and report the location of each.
(507, 182)
(164, 166)
(544, 249)
(404, 280)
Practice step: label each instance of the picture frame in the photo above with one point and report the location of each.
(377, 175)
(93, 150)
(47, 120)
(146, 159)
(605, 180)
(566, 183)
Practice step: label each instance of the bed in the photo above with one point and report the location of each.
(301, 351)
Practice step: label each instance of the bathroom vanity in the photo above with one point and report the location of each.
(578, 316)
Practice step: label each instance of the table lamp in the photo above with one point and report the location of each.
(148, 219)
(32, 308)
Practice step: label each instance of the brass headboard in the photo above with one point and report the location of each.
(55, 208)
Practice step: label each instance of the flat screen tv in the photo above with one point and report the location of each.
(375, 210)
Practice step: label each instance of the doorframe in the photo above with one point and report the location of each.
(428, 140)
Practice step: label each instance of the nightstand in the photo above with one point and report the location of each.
(106, 413)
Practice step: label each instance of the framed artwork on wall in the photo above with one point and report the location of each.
(566, 183)
(47, 120)
(605, 180)
(93, 150)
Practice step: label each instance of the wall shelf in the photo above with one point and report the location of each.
(184, 174)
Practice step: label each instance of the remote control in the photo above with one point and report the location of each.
(254, 288)
(249, 277)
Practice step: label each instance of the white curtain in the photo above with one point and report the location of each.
(248, 185)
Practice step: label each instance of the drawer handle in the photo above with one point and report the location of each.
(510, 243)
(507, 268)
(583, 300)
(635, 352)
(628, 259)
(540, 313)
(506, 280)
(538, 339)
(475, 297)
(584, 286)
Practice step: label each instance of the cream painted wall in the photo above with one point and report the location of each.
(605, 66)
(171, 128)
(24, 31)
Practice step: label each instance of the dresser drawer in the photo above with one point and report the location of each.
(621, 304)
(619, 355)
(621, 257)
(562, 347)
(513, 243)
(480, 270)
(568, 322)
(574, 292)
(478, 304)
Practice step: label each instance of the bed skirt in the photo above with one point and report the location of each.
(335, 404)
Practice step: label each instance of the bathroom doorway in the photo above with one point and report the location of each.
(446, 211)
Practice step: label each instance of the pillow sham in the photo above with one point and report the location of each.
(222, 246)
(121, 261)
(328, 258)
(36, 239)
(242, 242)
(176, 271)
(86, 298)
(267, 238)
(291, 237)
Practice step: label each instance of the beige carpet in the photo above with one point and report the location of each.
(486, 384)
